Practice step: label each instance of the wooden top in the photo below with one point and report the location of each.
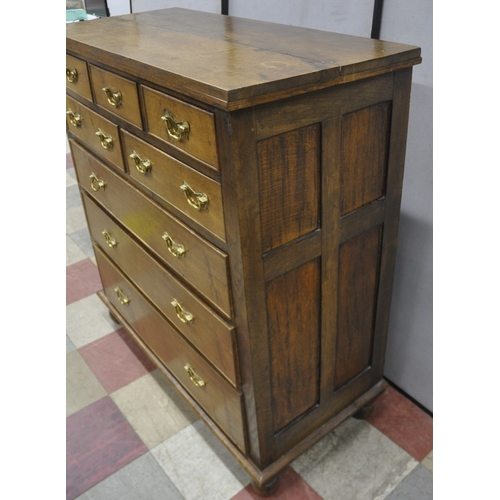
(231, 62)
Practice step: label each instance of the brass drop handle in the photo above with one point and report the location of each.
(175, 129)
(143, 165)
(182, 314)
(106, 140)
(197, 200)
(111, 242)
(74, 118)
(114, 96)
(71, 74)
(95, 183)
(124, 300)
(176, 249)
(196, 379)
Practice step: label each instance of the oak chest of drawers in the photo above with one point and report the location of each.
(242, 184)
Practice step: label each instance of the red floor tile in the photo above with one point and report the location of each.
(69, 161)
(82, 280)
(291, 487)
(99, 441)
(403, 422)
(116, 360)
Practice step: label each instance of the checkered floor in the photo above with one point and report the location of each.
(131, 437)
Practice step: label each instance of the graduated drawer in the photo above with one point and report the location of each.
(220, 401)
(77, 77)
(194, 194)
(99, 134)
(186, 127)
(116, 94)
(211, 335)
(200, 263)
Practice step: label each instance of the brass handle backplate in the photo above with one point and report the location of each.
(114, 96)
(111, 242)
(95, 183)
(177, 130)
(143, 165)
(106, 140)
(196, 379)
(176, 249)
(197, 200)
(74, 118)
(124, 300)
(71, 74)
(182, 314)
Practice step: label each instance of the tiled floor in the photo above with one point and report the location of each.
(131, 437)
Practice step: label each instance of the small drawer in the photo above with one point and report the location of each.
(186, 127)
(211, 335)
(200, 263)
(99, 134)
(116, 94)
(194, 194)
(220, 401)
(77, 77)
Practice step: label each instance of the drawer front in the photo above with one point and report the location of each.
(194, 194)
(222, 403)
(184, 126)
(203, 265)
(77, 77)
(116, 94)
(212, 336)
(86, 124)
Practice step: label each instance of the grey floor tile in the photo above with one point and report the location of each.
(354, 462)
(416, 486)
(82, 386)
(69, 345)
(82, 239)
(199, 465)
(143, 479)
(73, 198)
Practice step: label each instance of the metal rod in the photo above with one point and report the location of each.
(224, 7)
(377, 18)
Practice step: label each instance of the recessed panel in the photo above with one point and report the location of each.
(289, 185)
(359, 261)
(293, 310)
(365, 146)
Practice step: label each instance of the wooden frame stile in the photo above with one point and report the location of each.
(239, 179)
(397, 153)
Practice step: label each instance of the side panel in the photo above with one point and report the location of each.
(359, 261)
(293, 312)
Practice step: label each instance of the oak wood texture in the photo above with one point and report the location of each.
(128, 107)
(165, 178)
(298, 139)
(289, 186)
(217, 397)
(81, 84)
(149, 223)
(199, 141)
(293, 308)
(90, 123)
(208, 332)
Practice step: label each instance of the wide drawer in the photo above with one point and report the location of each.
(116, 94)
(99, 134)
(186, 127)
(200, 263)
(211, 335)
(221, 402)
(77, 77)
(194, 194)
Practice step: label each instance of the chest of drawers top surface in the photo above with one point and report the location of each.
(232, 62)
